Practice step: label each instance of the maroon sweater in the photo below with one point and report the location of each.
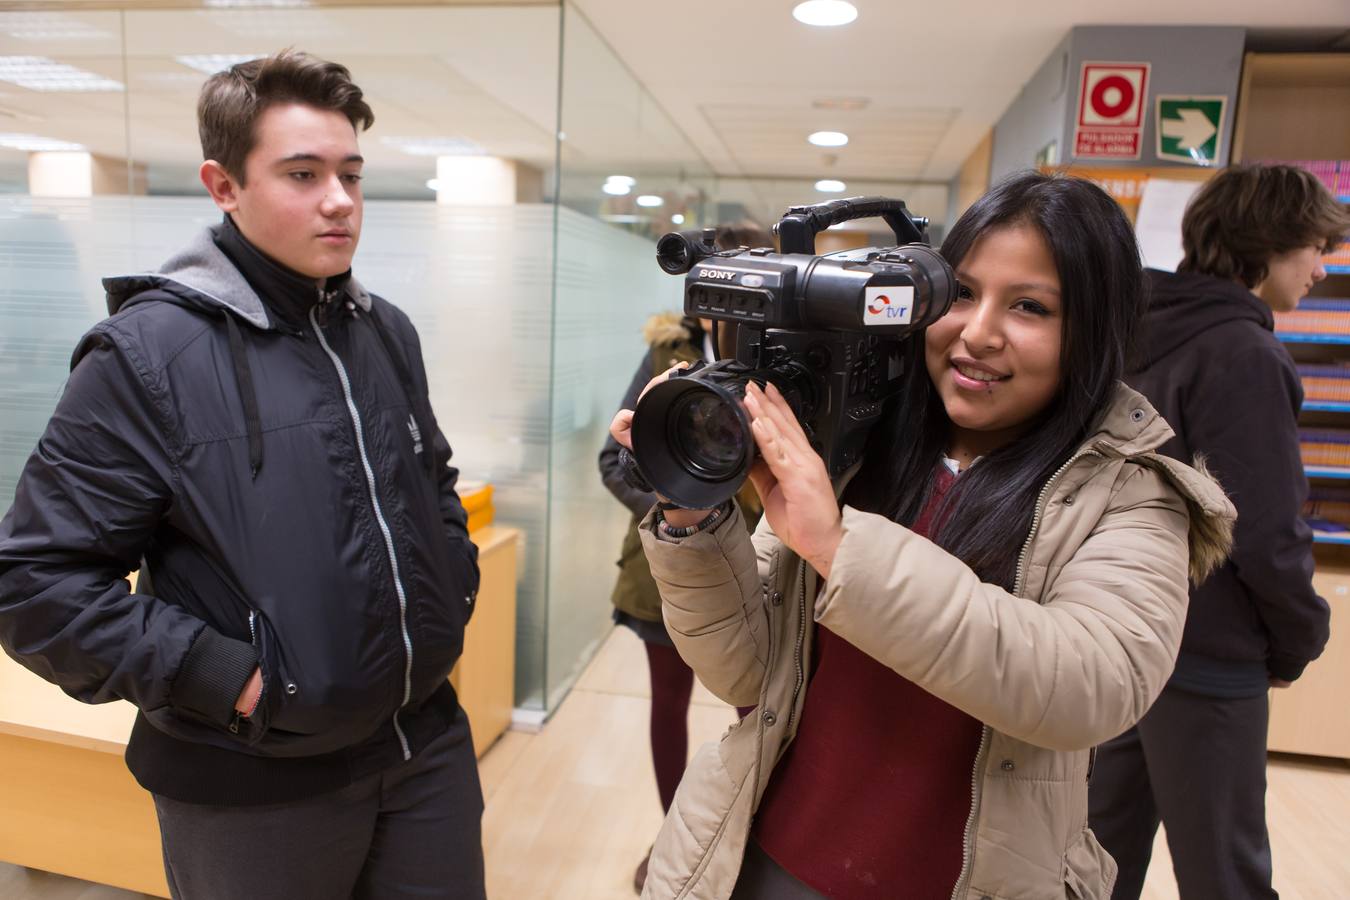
(871, 798)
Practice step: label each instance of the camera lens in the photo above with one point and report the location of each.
(691, 438)
(708, 434)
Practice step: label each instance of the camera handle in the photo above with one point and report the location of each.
(799, 226)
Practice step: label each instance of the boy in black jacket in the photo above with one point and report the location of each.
(1212, 366)
(251, 429)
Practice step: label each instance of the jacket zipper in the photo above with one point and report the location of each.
(801, 637)
(968, 840)
(380, 520)
(252, 639)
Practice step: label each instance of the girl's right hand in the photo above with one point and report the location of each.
(621, 429)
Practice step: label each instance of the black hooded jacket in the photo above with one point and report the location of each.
(264, 451)
(1210, 363)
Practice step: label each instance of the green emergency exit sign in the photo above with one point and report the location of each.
(1190, 129)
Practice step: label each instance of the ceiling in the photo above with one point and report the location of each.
(672, 94)
(747, 82)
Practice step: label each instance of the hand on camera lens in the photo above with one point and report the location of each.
(622, 427)
(792, 481)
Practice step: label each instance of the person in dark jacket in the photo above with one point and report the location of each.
(1210, 363)
(251, 429)
(671, 339)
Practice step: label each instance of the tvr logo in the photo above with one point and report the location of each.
(889, 306)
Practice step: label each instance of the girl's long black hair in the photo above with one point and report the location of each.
(991, 506)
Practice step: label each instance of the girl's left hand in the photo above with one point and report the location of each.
(792, 481)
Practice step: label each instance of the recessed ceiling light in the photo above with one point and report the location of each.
(649, 200)
(615, 188)
(211, 63)
(236, 4)
(433, 146)
(828, 138)
(850, 104)
(36, 143)
(825, 13)
(39, 26)
(625, 180)
(829, 186)
(677, 219)
(38, 73)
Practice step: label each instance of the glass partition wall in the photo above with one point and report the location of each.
(494, 218)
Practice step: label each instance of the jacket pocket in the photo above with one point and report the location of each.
(279, 688)
(1089, 871)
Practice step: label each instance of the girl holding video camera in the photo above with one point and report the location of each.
(935, 644)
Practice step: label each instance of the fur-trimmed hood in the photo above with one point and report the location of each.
(1134, 429)
(667, 328)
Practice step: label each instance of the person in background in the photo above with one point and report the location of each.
(935, 645)
(251, 429)
(672, 340)
(1210, 363)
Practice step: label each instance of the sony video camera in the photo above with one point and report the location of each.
(825, 330)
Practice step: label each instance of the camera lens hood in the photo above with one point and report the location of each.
(692, 441)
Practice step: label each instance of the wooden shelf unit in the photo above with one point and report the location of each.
(1296, 106)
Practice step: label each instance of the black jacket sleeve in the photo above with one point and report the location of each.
(454, 519)
(611, 472)
(86, 506)
(1248, 426)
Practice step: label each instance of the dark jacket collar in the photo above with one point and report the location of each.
(287, 294)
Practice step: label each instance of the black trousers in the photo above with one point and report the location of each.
(1198, 765)
(411, 831)
(762, 878)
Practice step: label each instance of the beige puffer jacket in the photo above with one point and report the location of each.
(1074, 656)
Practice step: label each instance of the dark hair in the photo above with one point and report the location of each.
(232, 100)
(1245, 215)
(988, 512)
(745, 233)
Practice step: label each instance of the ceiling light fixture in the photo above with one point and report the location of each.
(38, 73)
(615, 188)
(825, 13)
(211, 63)
(649, 200)
(828, 138)
(36, 143)
(433, 146)
(677, 219)
(37, 26)
(848, 104)
(254, 4)
(830, 186)
(625, 180)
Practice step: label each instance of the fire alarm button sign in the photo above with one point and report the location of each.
(1111, 110)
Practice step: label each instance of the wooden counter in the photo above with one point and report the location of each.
(70, 806)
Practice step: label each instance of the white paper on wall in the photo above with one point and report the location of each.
(1158, 225)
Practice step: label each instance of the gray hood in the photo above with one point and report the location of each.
(203, 275)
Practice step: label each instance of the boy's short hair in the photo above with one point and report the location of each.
(1245, 215)
(232, 100)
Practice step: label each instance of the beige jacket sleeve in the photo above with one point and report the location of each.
(1066, 674)
(713, 590)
